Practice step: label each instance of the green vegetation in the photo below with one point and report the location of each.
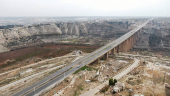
(88, 68)
(115, 80)
(104, 89)
(7, 81)
(8, 63)
(154, 40)
(46, 53)
(77, 91)
(10, 26)
(24, 57)
(80, 87)
(112, 82)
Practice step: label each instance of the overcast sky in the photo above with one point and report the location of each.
(36, 8)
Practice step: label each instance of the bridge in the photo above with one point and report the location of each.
(122, 44)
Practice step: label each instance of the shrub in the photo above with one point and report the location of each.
(115, 81)
(104, 89)
(111, 82)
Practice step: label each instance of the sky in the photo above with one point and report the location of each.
(52, 8)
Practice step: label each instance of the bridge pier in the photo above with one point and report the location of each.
(135, 37)
(125, 46)
(117, 49)
(113, 51)
(97, 61)
(106, 55)
(120, 47)
(130, 43)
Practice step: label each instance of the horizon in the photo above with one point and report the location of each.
(65, 8)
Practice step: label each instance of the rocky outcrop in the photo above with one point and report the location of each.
(23, 36)
(64, 28)
(11, 33)
(70, 28)
(75, 30)
(23, 32)
(3, 49)
(2, 38)
(82, 29)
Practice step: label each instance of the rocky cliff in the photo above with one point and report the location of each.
(29, 35)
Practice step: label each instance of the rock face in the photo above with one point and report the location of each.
(64, 28)
(11, 33)
(2, 38)
(82, 29)
(69, 28)
(155, 35)
(75, 30)
(23, 32)
(29, 35)
(29, 31)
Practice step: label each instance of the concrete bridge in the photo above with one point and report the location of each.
(122, 44)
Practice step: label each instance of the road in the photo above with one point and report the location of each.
(92, 92)
(33, 89)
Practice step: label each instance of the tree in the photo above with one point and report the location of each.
(115, 81)
(111, 82)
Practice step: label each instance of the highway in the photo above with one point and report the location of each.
(68, 70)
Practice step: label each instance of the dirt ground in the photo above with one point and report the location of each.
(21, 57)
(80, 86)
(148, 79)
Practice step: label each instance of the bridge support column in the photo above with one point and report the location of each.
(106, 55)
(125, 46)
(135, 38)
(137, 35)
(132, 41)
(113, 51)
(97, 61)
(110, 52)
(120, 47)
(140, 30)
(117, 49)
(128, 44)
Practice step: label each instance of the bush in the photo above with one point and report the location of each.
(115, 81)
(111, 82)
(104, 89)
(154, 40)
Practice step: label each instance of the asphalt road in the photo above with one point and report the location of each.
(83, 61)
